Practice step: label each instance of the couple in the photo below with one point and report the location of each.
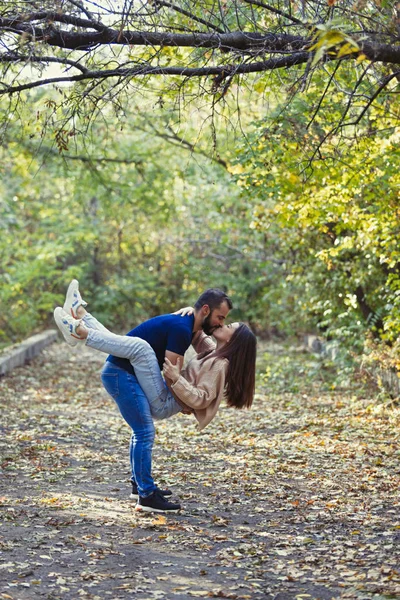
(132, 373)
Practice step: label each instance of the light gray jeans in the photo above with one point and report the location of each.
(143, 360)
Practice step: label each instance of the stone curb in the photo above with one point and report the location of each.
(18, 355)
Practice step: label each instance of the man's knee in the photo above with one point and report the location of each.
(145, 435)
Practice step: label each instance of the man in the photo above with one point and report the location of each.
(170, 336)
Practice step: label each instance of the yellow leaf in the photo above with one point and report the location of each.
(159, 521)
(333, 37)
(361, 58)
(347, 48)
(235, 169)
(259, 87)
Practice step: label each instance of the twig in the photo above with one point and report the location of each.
(42, 59)
(190, 15)
(275, 10)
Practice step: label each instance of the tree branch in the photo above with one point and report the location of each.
(190, 15)
(241, 41)
(83, 9)
(226, 42)
(98, 159)
(174, 139)
(275, 11)
(59, 17)
(356, 121)
(323, 95)
(384, 83)
(273, 63)
(41, 59)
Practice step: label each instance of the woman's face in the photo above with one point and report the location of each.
(223, 334)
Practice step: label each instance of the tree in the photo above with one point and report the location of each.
(336, 234)
(145, 229)
(104, 50)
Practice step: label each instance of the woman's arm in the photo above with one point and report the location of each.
(210, 383)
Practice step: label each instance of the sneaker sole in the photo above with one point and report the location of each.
(141, 508)
(136, 496)
(70, 299)
(70, 339)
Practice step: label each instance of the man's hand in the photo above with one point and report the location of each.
(188, 310)
(171, 371)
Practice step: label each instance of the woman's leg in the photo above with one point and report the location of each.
(134, 407)
(92, 323)
(143, 359)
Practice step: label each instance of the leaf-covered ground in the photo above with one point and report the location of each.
(296, 499)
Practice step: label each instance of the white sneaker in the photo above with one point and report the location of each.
(73, 299)
(67, 325)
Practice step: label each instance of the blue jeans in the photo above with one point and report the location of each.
(139, 397)
(135, 409)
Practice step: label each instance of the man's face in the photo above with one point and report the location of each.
(215, 318)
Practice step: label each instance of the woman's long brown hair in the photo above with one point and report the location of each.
(241, 376)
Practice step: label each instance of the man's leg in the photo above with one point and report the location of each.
(134, 407)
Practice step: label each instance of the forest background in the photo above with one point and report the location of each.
(150, 181)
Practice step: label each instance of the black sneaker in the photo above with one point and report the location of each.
(135, 493)
(156, 503)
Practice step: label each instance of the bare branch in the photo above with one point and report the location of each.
(31, 58)
(225, 42)
(190, 15)
(98, 159)
(177, 140)
(274, 63)
(276, 11)
(384, 84)
(83, 9)
(323, 95)
(58, 17)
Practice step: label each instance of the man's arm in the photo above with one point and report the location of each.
(173, 357)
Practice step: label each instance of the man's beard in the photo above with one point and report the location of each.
(207, 327)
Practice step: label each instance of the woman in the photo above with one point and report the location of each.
(226, 367)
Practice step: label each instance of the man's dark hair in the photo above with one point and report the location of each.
(213, 298)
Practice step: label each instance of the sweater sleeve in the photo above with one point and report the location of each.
(210, 385)
(202, 342)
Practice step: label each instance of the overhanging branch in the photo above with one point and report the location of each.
(273, 63)
(32, 58)
(83, 40)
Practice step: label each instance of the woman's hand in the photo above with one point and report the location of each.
(188, 310)
(171, 371)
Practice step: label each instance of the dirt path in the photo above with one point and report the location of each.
(297, 499)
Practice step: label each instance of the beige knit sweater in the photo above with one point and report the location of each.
(201, 384)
